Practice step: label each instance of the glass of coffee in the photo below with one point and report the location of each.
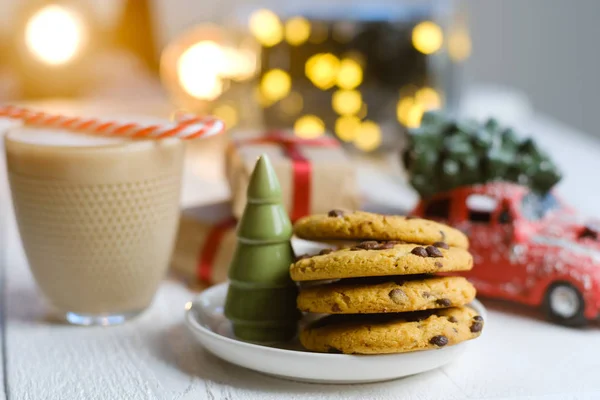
(97, 218)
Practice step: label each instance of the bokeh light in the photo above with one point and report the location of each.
(429, 98)
(346, 127)
(199, 78)
(275, 84)
(368, 136)
(350, 74)
(362, 113)
(459, 44)
(318, 33)
(322, 70)
(309, 127)
(297, 30)
(427, 37)
(266, 27)
(345, 102)
(227, 113)
(54, 35)
(292, 104)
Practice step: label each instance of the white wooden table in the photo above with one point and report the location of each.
(519, 355)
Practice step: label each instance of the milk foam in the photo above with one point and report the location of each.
(60, 137)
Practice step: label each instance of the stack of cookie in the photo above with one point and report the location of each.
(384, 297)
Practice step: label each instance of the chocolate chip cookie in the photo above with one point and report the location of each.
(360, 225)
(392, 333)
(374, 259)
(386, 295)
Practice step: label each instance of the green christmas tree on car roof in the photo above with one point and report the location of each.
(261, 300)
(445, 153)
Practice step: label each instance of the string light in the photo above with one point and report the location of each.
(292, 104)
(322, 70)
(260, 97)
(429, 98)
(54, 35)
(266, 27)
(297, 30)
(362, 113)
(403, 108)
(350, 74)
(275, 84)
(200, 79)
(459, 44)
(345, 102)
(309, 127)
(227, 113)
(427, 37)
(413, 118)
(346, 127)
(368, 137)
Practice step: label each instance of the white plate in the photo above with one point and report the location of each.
(204, 317)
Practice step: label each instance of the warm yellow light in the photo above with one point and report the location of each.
(413, 118)
(227, 113)
(260, 98)
(198, 70)
(54, 35)
(297, 30)
(266, 27)
(292, 104)
(429, 98)
(368, 137)
(276, 84)
(427, 37)
(238, 64)
(403, 108)
(309, 127)
(350, 74)
(346, 127)
(459, 45)
(345, 102)
(322, 70)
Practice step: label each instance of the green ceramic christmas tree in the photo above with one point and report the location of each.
(261, 301)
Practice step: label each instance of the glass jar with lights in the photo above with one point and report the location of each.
(363, 71)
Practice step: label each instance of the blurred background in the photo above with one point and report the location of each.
(362, 70)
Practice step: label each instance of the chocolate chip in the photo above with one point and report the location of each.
(443, 302)
(336, 213)
(398, 296)
(478, 318)
(426, 295)
(333, 350)
(356, 248)
(442, 245)
(452, 319)
(302, 257)
(439, 340)
(588, 232)
(419, 251)
(433, 252)
(325, 251)
(368, 245)
(438, 264)
(336, 308)
(385, 246)
(476, 326)
(408, 217)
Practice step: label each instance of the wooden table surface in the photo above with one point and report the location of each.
(519, 355)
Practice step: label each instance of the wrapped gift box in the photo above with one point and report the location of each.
(316, 175)
(205, 244)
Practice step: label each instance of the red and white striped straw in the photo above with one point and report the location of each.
(186, 127)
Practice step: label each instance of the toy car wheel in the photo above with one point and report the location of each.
(564, 304)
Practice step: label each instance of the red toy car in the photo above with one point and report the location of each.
(527, 247)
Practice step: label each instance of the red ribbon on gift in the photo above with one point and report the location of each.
(301, 167)
(208, 252)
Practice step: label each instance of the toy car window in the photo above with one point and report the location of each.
(536, 206)
(438, 208)
(481, 207)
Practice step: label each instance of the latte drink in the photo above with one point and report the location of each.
(97, 217)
